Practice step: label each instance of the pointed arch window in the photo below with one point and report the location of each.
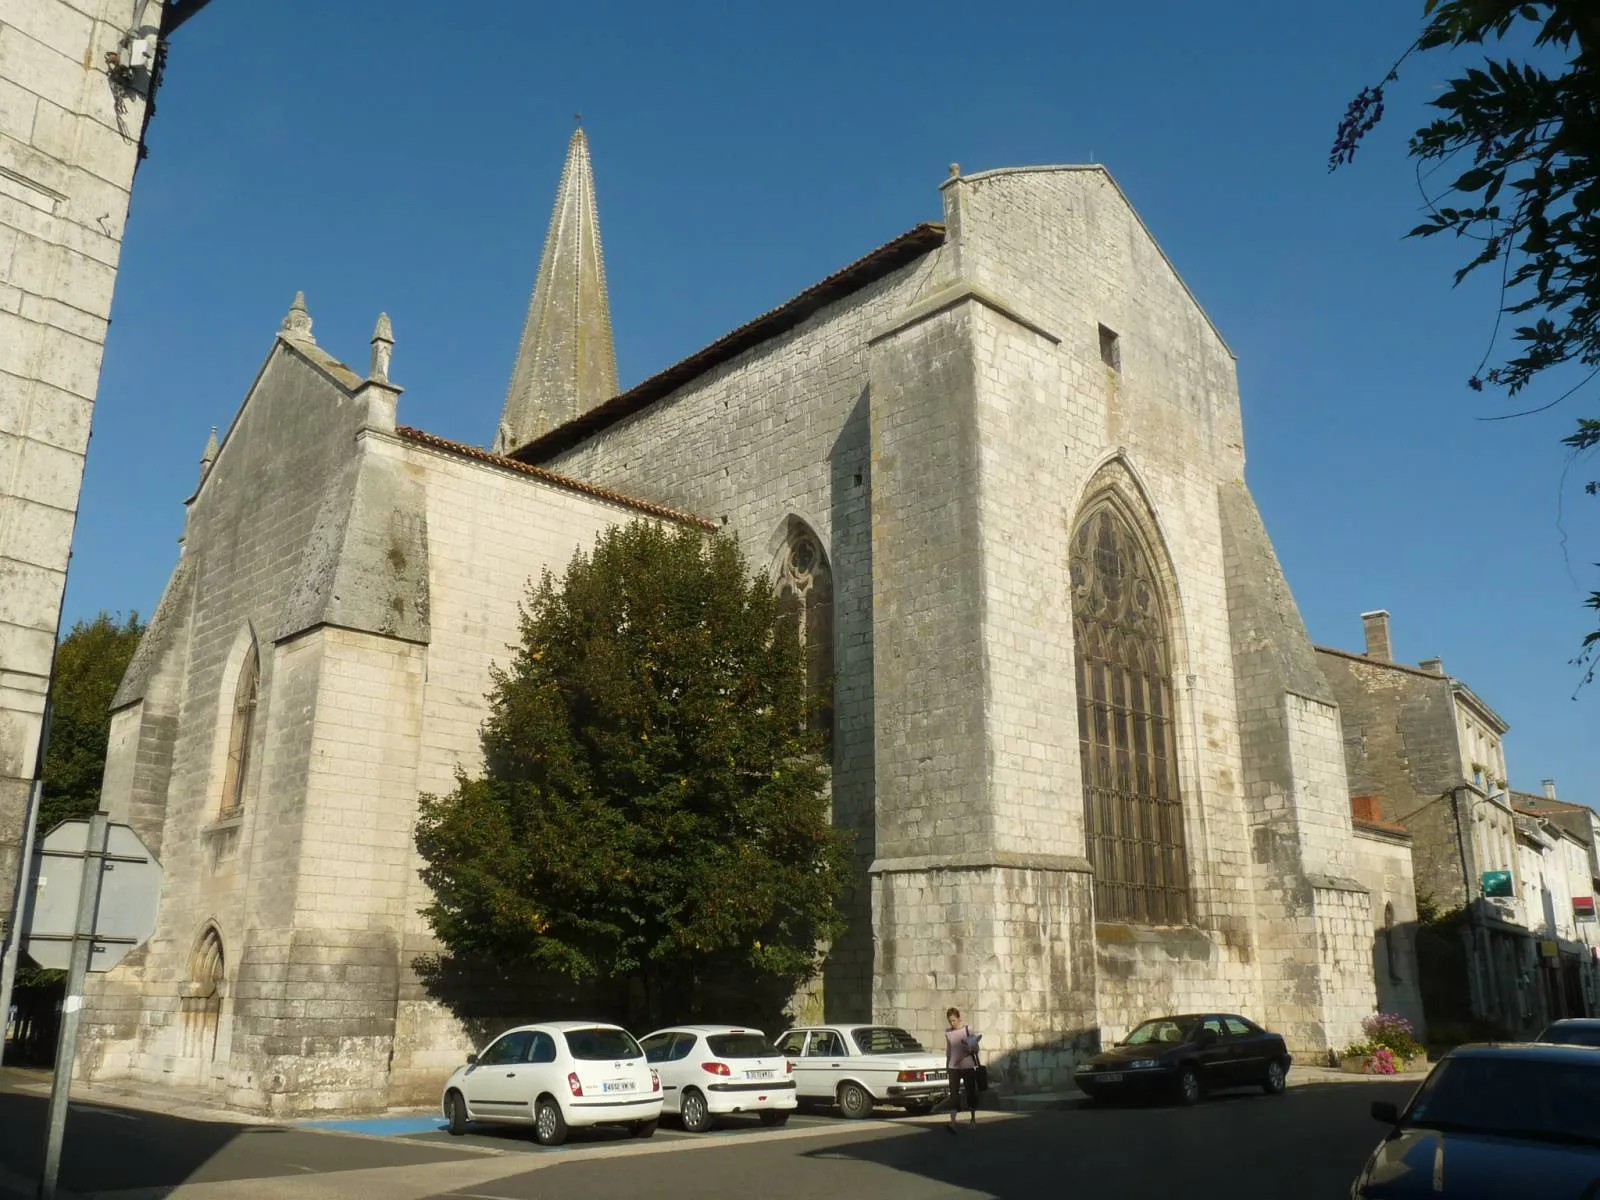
(1133, 811)
(805, 597)
(241, 732)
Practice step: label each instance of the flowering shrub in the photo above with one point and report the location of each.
(1392, 1032)
(1382, 1062)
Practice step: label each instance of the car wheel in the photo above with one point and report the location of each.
(455, 1111)
(855, 1101)
(643, 1129)
(549, 1126)
(695, 1112)
(774, 1119)
(1276, 1080)
(1188, 1086)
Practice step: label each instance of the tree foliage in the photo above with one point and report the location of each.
(652, 806)
(90, 662)
(1523, 139)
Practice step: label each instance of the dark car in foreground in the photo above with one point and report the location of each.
(1185, 1057)
(1572, 1031)
(1493, 1121)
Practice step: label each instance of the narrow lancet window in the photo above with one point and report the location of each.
(805, 596)
(240, 733)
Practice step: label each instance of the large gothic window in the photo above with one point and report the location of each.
(805, 597)
(1133, 813)
(240, 732)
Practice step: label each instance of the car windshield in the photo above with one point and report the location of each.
(1572, 1035)
(884, 1039)
(591, 1045)
(741, 1045)
(1537, 1099)
(1163, 1031)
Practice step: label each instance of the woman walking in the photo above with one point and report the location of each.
(961, 1061)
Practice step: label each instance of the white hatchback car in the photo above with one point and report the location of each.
(859, 1066)
(711, 1070)
(555, 1076)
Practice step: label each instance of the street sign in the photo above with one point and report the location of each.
(1583, 908)
(125, 917)
(1497, 883)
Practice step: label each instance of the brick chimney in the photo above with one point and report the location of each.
(1549, 786)
(1366, 808)
(1433, 666)
(1376, 626)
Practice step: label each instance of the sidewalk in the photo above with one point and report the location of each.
(173, 1100)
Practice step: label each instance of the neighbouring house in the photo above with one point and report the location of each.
(1384, 866)
(1556, 864)
(1431, 753)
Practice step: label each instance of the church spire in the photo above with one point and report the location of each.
(566, 363)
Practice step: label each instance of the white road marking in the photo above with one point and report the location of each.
(298, 1167)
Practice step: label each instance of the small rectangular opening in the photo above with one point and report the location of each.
(1110, 349)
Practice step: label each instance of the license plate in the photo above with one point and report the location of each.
(618, 1085)
(1109, 1077)
(758, 1074)
(935, 1076)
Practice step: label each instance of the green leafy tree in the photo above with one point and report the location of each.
(1521, 133)
(653, 808)
(90, 662)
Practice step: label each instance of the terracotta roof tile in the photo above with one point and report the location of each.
(433, 441)
(891, 256)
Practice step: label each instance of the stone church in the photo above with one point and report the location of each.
(1078, 729)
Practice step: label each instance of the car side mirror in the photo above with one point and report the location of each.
(1386, 1112)
(472, 1060)
(1208, 1037)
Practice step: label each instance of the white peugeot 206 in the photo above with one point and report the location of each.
(709, 1071)
(556, 1076)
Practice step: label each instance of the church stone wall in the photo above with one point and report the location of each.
(1055, 256)
(492, 532)
(780, 431)
(247, 528)
(66, 170)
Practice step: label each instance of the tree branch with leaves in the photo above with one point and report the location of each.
(1522, 134)
(653, 807)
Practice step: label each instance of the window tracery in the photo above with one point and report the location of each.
(1133, 809)
(805, 597)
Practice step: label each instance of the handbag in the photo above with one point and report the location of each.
(983, 1071)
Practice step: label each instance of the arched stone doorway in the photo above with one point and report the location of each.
(201, 1006)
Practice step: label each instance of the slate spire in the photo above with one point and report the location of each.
(566, 363)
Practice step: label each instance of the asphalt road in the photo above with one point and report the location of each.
(1307, 1144)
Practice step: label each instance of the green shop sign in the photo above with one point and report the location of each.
(1497, 883)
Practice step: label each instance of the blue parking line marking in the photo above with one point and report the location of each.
(381, 1126)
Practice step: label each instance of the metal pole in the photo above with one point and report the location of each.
(67, 1045)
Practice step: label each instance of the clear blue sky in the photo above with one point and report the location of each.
(403, 156)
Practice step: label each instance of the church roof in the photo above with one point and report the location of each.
(434, 442)
(566, 361)
(889, 257)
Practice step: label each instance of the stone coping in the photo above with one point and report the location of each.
(979, 860)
